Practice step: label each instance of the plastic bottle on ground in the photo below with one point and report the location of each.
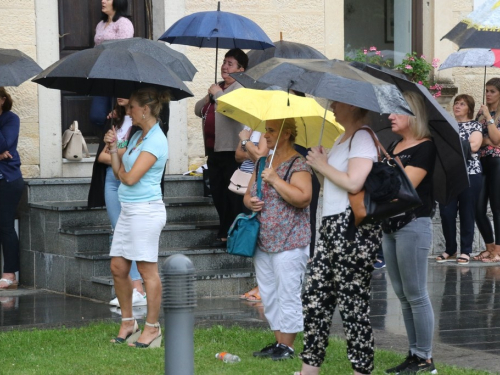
(227, 357)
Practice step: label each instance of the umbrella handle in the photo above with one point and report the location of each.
(276, 145)
(323, 124)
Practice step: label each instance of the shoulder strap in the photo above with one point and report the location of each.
(289, 167)
(260, 166)
(378, 145)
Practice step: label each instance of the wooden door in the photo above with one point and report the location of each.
(77, 22)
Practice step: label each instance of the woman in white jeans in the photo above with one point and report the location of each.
(285, 233)
(407, 238)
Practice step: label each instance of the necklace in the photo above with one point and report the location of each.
(137, 144)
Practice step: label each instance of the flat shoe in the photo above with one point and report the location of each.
(441, 258)
(463, 259)
(10, 284)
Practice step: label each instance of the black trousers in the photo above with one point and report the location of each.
(465, 204)
(10, 195)
(221, 166)
(489, 192)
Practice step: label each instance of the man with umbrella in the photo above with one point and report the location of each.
(221, 139)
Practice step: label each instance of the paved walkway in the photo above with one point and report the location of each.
(466, 301)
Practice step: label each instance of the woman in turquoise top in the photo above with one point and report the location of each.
(142, 216)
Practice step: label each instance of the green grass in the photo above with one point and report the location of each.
(87, 351)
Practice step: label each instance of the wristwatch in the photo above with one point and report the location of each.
(491, 121)
(243, 144)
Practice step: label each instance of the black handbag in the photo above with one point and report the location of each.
(387, 191)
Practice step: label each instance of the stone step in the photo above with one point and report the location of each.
(81, 239)
(76, 213)
(77, 188)
(202, 258)
(209, 283)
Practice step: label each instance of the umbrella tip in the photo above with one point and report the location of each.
(281, 36)
(218, 6)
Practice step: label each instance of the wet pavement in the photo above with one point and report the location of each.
(466, 301)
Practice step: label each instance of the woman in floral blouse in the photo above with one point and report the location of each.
(342, 265)
(284, 237)
(470, 131)
(489, 118)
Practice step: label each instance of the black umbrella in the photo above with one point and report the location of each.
(450, 172)
(111, 72)
(16, 67)
(174, 60)
(330, 79)
(479, 29)
(284, 50)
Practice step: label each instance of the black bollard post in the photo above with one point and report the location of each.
(179, 301)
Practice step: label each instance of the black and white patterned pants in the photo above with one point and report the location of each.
(340, 276)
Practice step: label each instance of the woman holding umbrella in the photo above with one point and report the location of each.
(408, 238)
(489, 118)
(343, 261)
(221, 140)
(283, 243)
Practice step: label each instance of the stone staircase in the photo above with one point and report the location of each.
(65, 245)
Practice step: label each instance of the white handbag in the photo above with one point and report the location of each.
(239, 182)
(73, 144)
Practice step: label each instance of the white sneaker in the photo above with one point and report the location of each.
(137, 299)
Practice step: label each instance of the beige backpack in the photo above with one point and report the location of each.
(73, 144)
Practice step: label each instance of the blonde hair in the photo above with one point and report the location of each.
(289, 124)
(151, 97)
(419, 124)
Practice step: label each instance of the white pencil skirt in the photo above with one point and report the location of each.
(137, 232)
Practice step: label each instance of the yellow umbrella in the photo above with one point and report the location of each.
(254, 107)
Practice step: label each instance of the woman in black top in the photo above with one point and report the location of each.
(407, 238)
(465, 202)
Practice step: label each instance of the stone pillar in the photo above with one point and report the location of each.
(164, 15)
(49, 113)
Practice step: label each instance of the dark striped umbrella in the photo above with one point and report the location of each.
(480, 29)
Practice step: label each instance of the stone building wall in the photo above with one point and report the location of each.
(299, 21)
(18, 31)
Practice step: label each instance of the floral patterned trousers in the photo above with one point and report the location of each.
(340, 276)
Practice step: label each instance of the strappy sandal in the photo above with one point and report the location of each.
(255, 298)
(494, 259)
(11, 284)
(251, 292)
(482, 255)
(131, 337)
(463, 259)
(155, 343)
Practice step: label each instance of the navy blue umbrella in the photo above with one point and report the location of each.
(217, 29)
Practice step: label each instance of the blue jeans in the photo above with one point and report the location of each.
(405, 253)
(113, 206)
(10, 195)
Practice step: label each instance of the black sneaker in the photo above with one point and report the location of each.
(282, 352)
(407, 362)
(420, 366)
(266, 351)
